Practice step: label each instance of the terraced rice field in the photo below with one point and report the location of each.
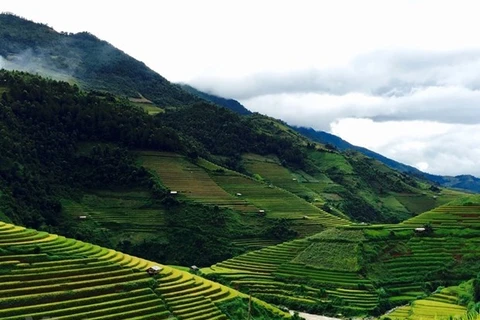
(277, 202)
(449, 216)
(437, 306)
(118, 211)
(422, 260)
(269, 274)
(192, 181)
(278, 175)
(255, 243)
(46, 275)
(207, 183)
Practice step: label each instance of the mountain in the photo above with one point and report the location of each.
(231, 104)
(250, 201)
(83, 59)
(465, 182)
(340, 144)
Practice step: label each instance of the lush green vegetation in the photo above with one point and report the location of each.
(363, 269)
(46, 275)
(466, 182)
(102, 169)
(456, 302)
(59, 143)
(330, 255)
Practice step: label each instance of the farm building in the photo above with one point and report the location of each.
(419, 230)
(173, 192)
(82, 217)
(194, 269)
(153, 270)
(238, 194)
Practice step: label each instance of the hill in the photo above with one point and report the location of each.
(361, 270)
(199, 129)
(67, 153)
(83, 59)
(465, 182)
(46, 275)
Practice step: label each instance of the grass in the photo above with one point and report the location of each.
(331, 255)
(331, 161)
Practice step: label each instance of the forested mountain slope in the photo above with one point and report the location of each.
(83, 59)
(67, 153)
(466, 182)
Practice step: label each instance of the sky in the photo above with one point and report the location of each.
(401, 78)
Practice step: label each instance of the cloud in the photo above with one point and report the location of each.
(440, 104)
(40, 61)
(417, 107)
(384, 73)
(447, 149)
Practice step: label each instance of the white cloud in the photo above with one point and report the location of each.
(379, 73)
(318, 110)
(439, 148)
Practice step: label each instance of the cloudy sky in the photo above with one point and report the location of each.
(399, 77)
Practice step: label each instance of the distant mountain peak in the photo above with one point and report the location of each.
(231, 104)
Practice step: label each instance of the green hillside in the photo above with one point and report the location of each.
(46, 275)
(455, 302)
(171, 178)
(363, 270)
(103, 157)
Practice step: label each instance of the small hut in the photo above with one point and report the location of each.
(419, 230)
(82, 217)
(194, 269)
(238, 194)
(154, 270)
(173, 192)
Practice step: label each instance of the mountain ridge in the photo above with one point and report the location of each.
(84, 59)
(465, 181)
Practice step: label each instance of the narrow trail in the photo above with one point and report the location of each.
(308, 316)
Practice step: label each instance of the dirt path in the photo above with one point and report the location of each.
(309, 316)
